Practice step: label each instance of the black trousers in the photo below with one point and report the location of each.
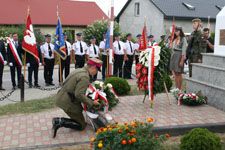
(31, 69)
(137, 59)
(80, 61)
(65, 64)
(128, 67)
(13, 74)
(48, 70)
(1, 73)
(94, 77)
(118, 65)
(104, 66)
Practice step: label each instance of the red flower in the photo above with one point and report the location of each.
(146, 86)
(145, 78)
(138, 67)
(143, 87)
(142, 80)
(138, 75)
(144, 70)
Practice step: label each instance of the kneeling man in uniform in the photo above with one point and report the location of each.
(72, 94)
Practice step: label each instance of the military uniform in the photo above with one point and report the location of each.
(196, 46)
(136, 47)
(2, 62)
(104, 57)
(70, 97)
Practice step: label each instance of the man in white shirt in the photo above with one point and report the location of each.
(80, 49)
(119, 56)
(93, 52)
(49, 59)
(151, 41)
(65, 64)
(104, 56)
(129, 57)
(136, 47)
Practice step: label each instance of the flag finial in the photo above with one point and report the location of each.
(57, 11)
(28, 10)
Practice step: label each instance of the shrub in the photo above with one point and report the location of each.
(200, 139)
(120, 85)
(134, 136)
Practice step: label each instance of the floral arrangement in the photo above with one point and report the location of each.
(104, 93)
(191, 99)
(148, 59)
(134, 136)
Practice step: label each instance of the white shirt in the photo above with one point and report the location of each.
(102, 46)
(91, 51)
(128, 48)
(44, 50)
(69, 47)
(116, 48)
(151, 43)
(136, 47)
(76, 47)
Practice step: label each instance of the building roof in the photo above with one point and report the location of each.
(43, 12)
(185, 8)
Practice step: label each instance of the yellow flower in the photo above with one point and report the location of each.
(150, 119)
(125, 123)
(100, 145)
(93, 139)
(133, 140)
(105, 129)
(100, 141)
(108, 126)
(141, 122)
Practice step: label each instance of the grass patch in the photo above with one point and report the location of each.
(32, 106)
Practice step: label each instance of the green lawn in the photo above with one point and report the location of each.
(31, 106)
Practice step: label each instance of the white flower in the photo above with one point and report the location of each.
(96, 82)
(109, 85)
(146, 64)
(101, 84)
(90, 91)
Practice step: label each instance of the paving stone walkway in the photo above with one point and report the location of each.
(35, 129)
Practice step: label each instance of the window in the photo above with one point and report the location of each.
(137, 9)
(189, 6)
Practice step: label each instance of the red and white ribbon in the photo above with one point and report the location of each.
(151, 72)
(15, 54)
(2, 58)
(179, 100)
(113, 91)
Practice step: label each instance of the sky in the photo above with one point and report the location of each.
(105, 5)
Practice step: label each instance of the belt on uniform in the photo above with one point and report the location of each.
(177, 50)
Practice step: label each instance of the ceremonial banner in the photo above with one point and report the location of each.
(59, 41)
(172, 35)
(107, 42)
(143, 44)
(15, 54)
(29, 40)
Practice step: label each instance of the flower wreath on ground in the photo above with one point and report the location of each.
(148, 60)
(104, 93)
(134, 136)
(190, 99)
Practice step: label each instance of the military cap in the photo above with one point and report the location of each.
(139, 35)
(197, 20)
(117, 35)
(178, 28)
(162, 36)
(64, 34)
(151, 36)
(129, 34)
(95, 62)
(79, 34)
(93, 38)
(104, 33)
(48, 36)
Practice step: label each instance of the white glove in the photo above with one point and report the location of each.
(10, 64)
(28, 64)
(40, 64)
(5, 62)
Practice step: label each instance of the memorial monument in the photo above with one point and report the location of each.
(209, 76)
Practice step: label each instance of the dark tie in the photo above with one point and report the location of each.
(81, 48)
(49, 50)
(119, 45)
(66, 49)
(131, 48)
(16, 45)
(95, 49)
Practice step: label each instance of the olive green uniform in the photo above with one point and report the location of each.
(76, 84)
(198, 47)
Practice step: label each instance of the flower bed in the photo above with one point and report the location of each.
(190, 99)
(134, 136)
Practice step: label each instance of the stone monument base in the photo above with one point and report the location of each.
(209, 78)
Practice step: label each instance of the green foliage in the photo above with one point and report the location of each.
(19, 29)
(97, 29)
(69, 35)
(200, 139)
(112, 99)
(120, 85)
(212, 35)
(135, 136)
(124, 38)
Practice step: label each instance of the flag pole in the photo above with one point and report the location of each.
(60, 64)
(111, 38)
(25, 54)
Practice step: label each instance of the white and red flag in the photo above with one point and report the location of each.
(29, 40)
(143, 44)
